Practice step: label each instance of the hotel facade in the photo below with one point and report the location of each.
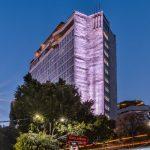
(81, 51)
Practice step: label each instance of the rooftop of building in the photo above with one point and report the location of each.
(127, 106)
(127, 103)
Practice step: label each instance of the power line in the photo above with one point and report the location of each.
(17, 120)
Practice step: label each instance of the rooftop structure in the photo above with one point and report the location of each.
(134, 106)
(128, 103)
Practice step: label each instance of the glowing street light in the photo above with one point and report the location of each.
(148, 123)
(38, 118)
(62, 119)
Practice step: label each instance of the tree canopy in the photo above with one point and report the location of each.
(7, 138)
(102, 129)
(52, 100)
(132, 124)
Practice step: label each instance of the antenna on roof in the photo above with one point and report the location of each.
(95, 7)
(99, 5)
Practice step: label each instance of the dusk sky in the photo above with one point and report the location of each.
(25, 24)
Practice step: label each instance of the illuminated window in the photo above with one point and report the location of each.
(106, 80)
(106, 36)
(106, 45)
(106, 62)
(106, 89)
(107, 108)
(106, 54)
(106, 71)
(107, 99)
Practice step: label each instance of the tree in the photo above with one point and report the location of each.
(1, 138)
(8, 137)
(52, 100)
(36, 141)
(74, 128)
(102, 129)
(130, 124)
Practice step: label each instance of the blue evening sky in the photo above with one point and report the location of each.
(25, 24)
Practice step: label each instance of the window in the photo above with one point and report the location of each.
(106, 71)
(106, 62)
(106, 45)
(106, 89)
(107, 99)
(107, 108)
(105, 35)
(106, 25)
(106, 80)
(106, 54)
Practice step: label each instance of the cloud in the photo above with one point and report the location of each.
(4, 95)
(5, 83)
(9, 81)
(5, 100)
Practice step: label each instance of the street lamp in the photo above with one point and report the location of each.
(38, 118)
(62, 119)
(51, 126)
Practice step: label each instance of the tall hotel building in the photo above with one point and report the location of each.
(81, 51)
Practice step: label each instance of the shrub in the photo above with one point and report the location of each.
(34, 141)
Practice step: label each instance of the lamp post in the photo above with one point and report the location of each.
(39, 119)
(61, 119)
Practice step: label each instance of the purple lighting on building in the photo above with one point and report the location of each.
(82, 51)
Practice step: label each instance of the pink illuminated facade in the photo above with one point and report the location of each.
(82, 51)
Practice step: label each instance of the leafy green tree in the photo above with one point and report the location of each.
(131, 124)
(74, 128)
(36, 141)
(8, 137)
(52, 100)
(102, 129)
(1, 138)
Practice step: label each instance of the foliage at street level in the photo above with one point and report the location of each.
(102, 129)
(52, 100)
(74, 128)
(8, 137)
(36, 141)
(132, 124)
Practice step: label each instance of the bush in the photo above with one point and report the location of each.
(34, 141)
